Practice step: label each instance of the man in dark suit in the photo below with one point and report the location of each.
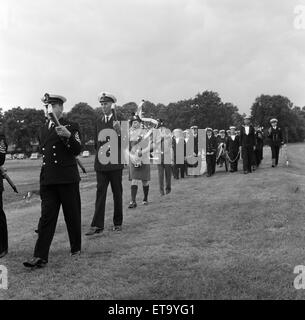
(276, 141)
(107, 171)
(3, 224)
(233, 149)
(163, 142)
(179, 144)
(259, 137)
(59, 182)
(211, 149)
(247, 144)
(221, 148)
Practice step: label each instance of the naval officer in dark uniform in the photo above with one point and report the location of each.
(59, 182)
(107, 172)
(3, 223)
(211, 149)
(247, 144)
(276, 141)
(232, 149)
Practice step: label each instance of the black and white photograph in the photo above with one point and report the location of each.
(152, 151)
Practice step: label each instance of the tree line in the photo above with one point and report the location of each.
(206, 109)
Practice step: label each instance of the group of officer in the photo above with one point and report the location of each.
(227, 147)
(60, 144)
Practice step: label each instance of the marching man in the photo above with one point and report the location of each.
(233, 149)
(59, 182)
(259, 135)
(107, 172)
(276, 141)
(247, 144)
(221, 145)
(211, 149)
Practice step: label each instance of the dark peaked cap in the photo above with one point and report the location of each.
(53, 98)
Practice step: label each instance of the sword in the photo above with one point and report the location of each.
(8, 179)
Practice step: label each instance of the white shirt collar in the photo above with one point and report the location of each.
(108, 118)
(51, 123)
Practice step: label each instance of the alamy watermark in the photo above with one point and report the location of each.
(138, 145)
(299, 281)
(299, 20)
(3, 278)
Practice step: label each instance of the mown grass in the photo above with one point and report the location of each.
(227, 237)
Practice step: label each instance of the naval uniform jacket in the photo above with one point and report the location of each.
(233, 146)
(98, 166)
(275, 136)
(211, 145)
(58, 154)
(247, 140)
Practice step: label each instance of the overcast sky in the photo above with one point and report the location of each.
(159, 50)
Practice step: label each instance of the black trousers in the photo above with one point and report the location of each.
(52, 197)
(234, 165)
(211, 164)
(258, 156)
(275, 151)
(165, 170)
(3, 227)
(103, 179)
(179, 168)
(247, 155)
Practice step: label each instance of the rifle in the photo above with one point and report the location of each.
(8, 179)
(55, 120)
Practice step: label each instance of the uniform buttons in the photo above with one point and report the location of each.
(54, 154)
(43, 149)
(55, 161)
(54, 147)
(44, 164)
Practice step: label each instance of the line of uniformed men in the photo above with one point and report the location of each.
(59, 176)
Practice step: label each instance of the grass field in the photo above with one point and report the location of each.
(231, 236)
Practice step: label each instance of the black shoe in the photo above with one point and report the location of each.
(132, 205)
(117, 228)
(168, 191)
(3, 254)
(231, 170)
(94, 230)
(145, 202)
(35, 263)
(246, 172)
(75, 254)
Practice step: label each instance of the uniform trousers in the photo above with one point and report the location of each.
(178, 168)
(211, 164)
(164, 170)
(52, 198)
(247, 155)
(114, 177)
(275, 151)
(3, 227)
